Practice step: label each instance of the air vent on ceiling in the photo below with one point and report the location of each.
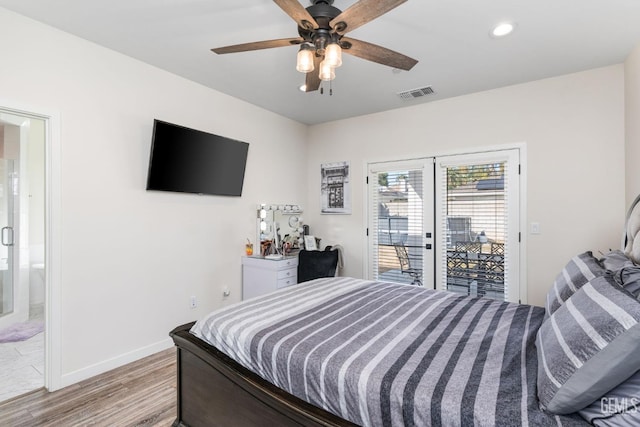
(416, 93)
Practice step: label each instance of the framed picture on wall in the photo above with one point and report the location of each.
(335, 188)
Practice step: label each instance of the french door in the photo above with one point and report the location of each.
(401, 221)
(449, 222)
(478, 199)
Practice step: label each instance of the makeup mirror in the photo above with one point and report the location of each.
(280, 225)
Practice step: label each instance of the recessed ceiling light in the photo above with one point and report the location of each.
(503, 29)
(303, 88)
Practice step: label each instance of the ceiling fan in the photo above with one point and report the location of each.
(322, 27)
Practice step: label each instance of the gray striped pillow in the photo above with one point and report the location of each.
(625, 271)
(578, 271)
(588, 346)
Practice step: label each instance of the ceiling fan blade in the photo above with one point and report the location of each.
(379, 54)
(313, 81)
(265, 44)
(294, 9)
(361, 13)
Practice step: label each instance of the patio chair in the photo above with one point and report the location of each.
(491, 271)
(405, 265)
(462, 266)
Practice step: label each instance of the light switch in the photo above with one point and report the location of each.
(535, 228)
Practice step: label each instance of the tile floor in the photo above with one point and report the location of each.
(22, 363)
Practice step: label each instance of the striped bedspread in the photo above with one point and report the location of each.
(383, 354)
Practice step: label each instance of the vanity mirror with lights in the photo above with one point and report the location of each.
(279, 231)
(279, 228)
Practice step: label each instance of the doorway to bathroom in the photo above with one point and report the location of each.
(22, 253)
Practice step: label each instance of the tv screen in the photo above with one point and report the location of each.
(190, 161)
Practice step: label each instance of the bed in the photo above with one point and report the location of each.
(420, 357)
(344, 352)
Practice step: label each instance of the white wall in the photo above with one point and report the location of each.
(573, 127)
(632, 123)
(130, 258)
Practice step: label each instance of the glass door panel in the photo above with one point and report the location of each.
(7, 236)
(478, 202)
(400, 212)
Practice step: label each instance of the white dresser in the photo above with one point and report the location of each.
(261, 276)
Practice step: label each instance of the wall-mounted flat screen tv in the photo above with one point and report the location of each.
(191, 161)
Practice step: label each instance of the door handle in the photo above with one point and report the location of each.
(7, 236)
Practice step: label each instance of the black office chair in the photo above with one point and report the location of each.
(316, 264)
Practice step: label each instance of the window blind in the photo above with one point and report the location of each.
(475, 219)
(396, 227)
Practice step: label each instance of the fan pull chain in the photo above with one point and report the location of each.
(330, 89)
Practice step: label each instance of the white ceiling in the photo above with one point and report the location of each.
(449, 38)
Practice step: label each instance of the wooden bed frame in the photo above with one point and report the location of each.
(214, 390)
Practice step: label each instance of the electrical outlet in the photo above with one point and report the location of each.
(193, 303)
(226, 292)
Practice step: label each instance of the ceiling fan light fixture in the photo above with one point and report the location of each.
(304, 62)
(333, 55)
(321, 29)
(327, 72)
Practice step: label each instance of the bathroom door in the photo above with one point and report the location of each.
(7, 236)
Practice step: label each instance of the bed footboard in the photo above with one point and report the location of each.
(214, 390)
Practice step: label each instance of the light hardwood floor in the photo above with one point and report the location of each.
(142, 393)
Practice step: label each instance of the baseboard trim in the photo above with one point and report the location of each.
(115, 362)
